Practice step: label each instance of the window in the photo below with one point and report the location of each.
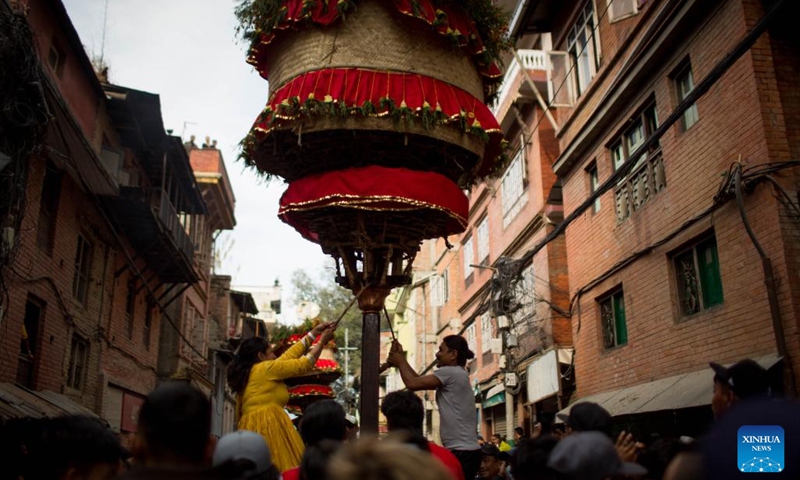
(619, 9)
(77, 362)
(130, 307)
(698, 277)
(594, 183)
(483, 240)
(148, 325)
(486, 332)
(612, 318)
(513, 187)
(471, 337)
(48, 208)
(647, 176)
(29, 340)
(684, 84)
(56, 57)
(582, 48)
(528, 298)
(188, 326)
(468, 259)
(446, 285)
(83, 265)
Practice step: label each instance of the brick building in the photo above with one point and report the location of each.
(228, 309)
(186, 352)
(664, 277)
(100, 236)
(524, 333)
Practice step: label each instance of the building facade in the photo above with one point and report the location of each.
(669, 264)
(98, 237)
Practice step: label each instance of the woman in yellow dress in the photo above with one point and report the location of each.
(256, 375)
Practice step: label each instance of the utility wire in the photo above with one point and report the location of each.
(700, 89)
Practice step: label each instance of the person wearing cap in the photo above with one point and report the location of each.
(257, 377)
(590, 455)
(591, 417)
(744, 380)
(493, 462)
(249, 451)
(586, 417)
(454, 397)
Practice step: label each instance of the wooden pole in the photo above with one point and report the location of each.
(371, 303)
(370, 361)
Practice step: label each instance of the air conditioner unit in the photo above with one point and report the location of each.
(501, 362)
(496, 345)
(511, 341)
(502, 322)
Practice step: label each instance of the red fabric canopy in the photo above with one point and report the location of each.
(377, 189)
(331, 89)
(449, 20)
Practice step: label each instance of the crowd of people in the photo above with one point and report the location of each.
(174, 441)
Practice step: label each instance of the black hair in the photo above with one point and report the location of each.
(175, 422)
(657, 454)
(460, 345)
(546, 420)
(323, 420)
(74, 441)
(246, 356)
(403, 411)
(530, 459)
(519, 431)
(314, 464)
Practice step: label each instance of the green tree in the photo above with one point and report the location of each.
(332, 300)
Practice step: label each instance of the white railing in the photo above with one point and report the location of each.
(531, 60)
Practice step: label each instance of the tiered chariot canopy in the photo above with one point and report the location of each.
(377, 119)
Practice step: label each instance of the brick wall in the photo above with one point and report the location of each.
(737, 117)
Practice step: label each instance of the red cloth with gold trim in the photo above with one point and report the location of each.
(375, 188)
(359, 91)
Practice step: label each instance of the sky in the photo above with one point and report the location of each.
(187, 52)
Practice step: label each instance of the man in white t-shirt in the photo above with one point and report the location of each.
(454, 397)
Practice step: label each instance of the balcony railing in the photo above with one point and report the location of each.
(171, 221)
(531, 60)
(640, 186)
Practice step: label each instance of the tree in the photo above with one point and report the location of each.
(332, 300)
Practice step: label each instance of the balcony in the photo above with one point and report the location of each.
(148, 219)
(515, 84)
(645, 180)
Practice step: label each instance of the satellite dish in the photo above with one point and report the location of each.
(307, 310)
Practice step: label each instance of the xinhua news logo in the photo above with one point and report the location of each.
(761, 449)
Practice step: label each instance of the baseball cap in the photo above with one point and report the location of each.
(588, 416)
(590, 456)
(746, 378)
(490, 450)
(243, 445)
